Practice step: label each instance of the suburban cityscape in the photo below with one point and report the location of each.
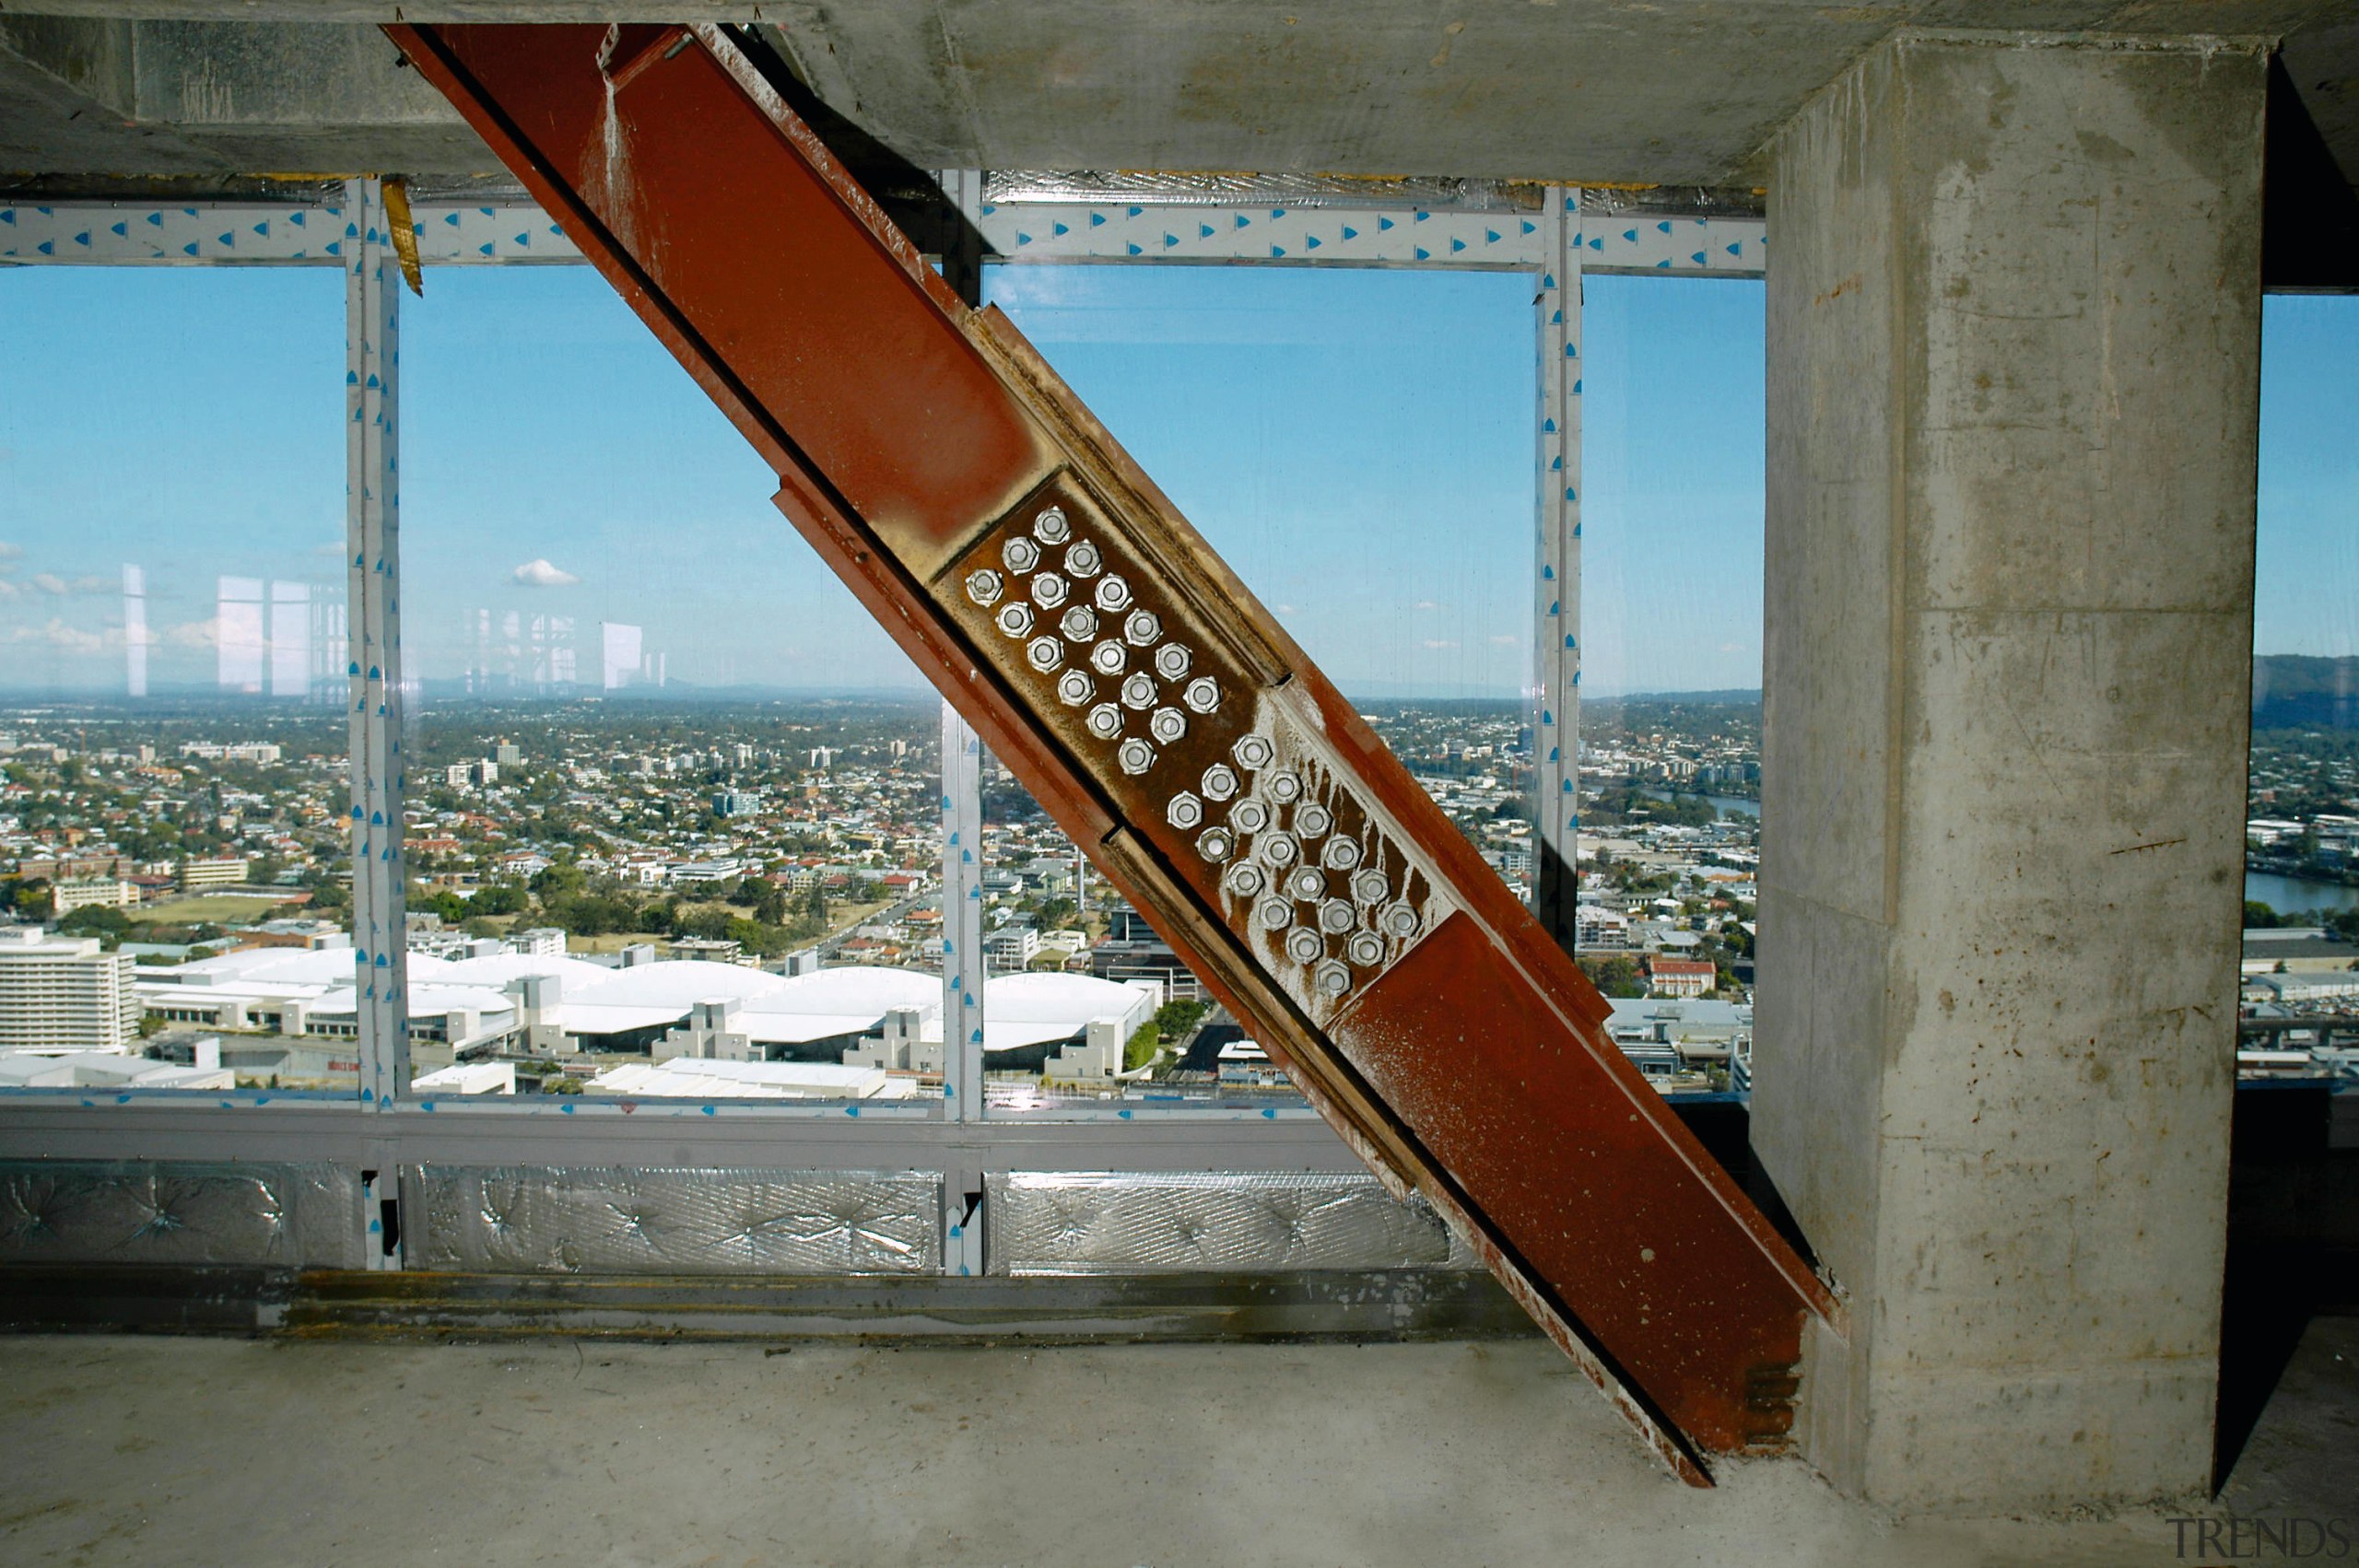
(722, 899)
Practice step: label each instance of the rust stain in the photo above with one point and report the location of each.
(2140, 848)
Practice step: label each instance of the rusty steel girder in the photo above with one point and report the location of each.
(1155, 709)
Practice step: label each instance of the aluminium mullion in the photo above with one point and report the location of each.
(372, 545)
(1556, 725)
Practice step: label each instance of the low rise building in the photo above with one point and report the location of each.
(1680, 977)
(226, 870)
(93, 892)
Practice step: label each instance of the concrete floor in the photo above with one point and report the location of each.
(163, 1451)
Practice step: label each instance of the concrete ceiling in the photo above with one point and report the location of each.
(1670, 92)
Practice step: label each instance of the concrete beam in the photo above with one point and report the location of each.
(1675, 92)
(2014, 336)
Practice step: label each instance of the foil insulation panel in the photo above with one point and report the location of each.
(1124, 1222)
(296, 1215)
(634, 1220)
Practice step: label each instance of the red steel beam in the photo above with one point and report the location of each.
(1157, 711)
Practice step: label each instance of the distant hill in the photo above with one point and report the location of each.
(1728, 697)
(2293, 691)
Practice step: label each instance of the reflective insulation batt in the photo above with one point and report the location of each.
(1118, 1222)
(295, 1215)
(626, 1220)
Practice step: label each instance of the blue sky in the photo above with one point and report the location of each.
(1357, 443)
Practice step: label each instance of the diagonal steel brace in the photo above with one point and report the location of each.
(1156, 711)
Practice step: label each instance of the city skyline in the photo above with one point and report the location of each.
(560, 469)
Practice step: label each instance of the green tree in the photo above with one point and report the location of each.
(497, 899)
(98, 920)
(1614, 974)
(561, 879)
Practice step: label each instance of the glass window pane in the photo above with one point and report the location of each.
(2301, 945)
(1671, 636)
(173, 731)
(675, 791)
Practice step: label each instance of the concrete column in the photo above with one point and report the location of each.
(2013, 333)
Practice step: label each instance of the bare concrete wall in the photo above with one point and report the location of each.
(2014, 376)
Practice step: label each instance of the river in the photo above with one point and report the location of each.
(1717, 803)
(2288, 895)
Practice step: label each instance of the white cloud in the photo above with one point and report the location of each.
(1439, 642)
(1283, 609)
(190, 634)
(57, 634)
(49, 583)
(1504, 639)
(539, 573)
(1425, 604)
(11, 552)
(8, 590)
